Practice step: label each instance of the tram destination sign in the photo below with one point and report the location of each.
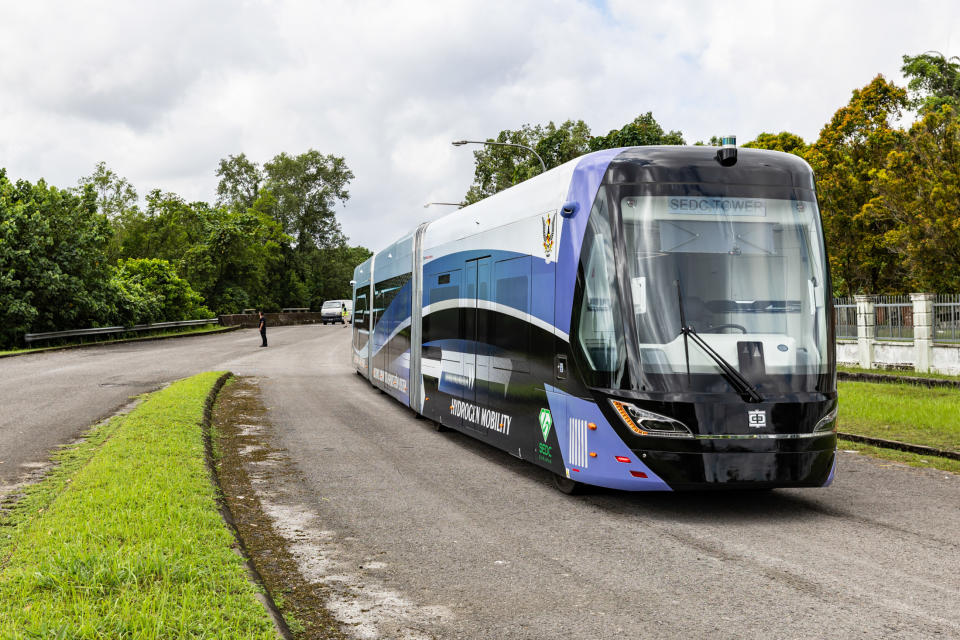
(714, 206)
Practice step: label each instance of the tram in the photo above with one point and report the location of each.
(647, 319)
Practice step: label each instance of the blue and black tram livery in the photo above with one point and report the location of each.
(646, 319)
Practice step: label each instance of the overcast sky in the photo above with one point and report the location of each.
(161, 91)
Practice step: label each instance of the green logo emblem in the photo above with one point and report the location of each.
(546, 421)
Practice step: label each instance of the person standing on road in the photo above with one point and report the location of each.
(344, 314)
(263, 329)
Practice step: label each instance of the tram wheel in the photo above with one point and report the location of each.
(566, 485)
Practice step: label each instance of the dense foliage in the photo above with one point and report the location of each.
(889, 196)
(53, 269)
(92, 256)
(271, 241)
(851, 147)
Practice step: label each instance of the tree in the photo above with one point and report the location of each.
(116, 199)
(240, 181)
(850, 149)
(644, 130)
(231, 263)
(52, 270)
(497, 168)
(934, 81)
(333, 271)
(715, 141)
(115, 195)
(783, 141)
(562, 144)
(919, 191)
(166, 229)
(225, 253)
(305, 189)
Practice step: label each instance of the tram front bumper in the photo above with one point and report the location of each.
(758, 465)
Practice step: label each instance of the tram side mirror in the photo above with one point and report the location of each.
(353, 282)
(569, 209)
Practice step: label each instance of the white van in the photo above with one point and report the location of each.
(330, 311)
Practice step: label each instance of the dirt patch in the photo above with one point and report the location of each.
(323, 578)
(241, 430)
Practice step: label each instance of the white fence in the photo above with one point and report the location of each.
(920, 332)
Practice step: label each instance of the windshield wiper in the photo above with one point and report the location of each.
(746, 390)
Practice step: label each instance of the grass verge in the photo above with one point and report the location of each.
(186, 331)
(124, 539)
(902, 412)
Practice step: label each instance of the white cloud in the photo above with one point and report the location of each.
(162, 91)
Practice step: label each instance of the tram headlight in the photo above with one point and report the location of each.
(827, 422)
(647, 423)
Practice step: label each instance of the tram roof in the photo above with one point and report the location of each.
(699, 164)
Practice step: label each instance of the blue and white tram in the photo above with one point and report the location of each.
(648, 318)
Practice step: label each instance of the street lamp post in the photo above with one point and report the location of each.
(449, 204)
(460, 143)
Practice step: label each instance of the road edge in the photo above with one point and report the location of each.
(900, 446)
(263, 593)
(65, 347)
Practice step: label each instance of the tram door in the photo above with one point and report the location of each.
(476, 324)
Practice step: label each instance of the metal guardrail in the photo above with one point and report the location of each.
(97, 331)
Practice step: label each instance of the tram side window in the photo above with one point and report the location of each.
(384, 293)
(360, 310)
(445, 286)
(444, 323)
(599, 328)
(360, 316)
(512, 289)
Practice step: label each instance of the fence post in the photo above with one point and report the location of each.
(866, 329)
(922, 330)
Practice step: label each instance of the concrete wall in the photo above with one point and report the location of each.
(946, 359)
(893, 355)
(847, 352)
(899, 355)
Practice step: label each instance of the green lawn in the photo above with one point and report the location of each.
(124, 539)
(903, 412)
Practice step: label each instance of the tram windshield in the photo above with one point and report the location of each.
(742, 267)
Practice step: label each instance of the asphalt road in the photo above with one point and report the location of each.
(430, 534)
(50, 398)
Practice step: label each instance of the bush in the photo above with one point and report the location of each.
(151, 291)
